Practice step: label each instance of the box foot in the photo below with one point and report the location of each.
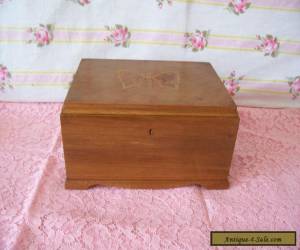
(145, 184)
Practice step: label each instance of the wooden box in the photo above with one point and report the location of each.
(147, 124)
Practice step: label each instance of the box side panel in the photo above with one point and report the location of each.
(148, 148)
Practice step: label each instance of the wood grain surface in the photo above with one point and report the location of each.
(172, 124)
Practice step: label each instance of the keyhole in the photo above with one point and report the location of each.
(150, 131)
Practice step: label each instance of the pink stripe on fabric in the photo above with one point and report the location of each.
(277, 3)
(212, 41)
(215, 1)
(232, 43)
(76, 35)
(254, 97)
(43, 78)
(251, 44)
(278, 86)
(158, 37)
(290, 47)
(14, 35)
(290, 4)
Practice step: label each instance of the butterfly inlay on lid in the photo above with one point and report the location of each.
(131, 79)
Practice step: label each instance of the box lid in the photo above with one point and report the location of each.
(122, 87)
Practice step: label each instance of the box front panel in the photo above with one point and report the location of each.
(148, 148)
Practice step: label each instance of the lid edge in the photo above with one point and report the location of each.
(151, 110)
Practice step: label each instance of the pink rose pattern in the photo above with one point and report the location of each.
(161, 2)
(83, 2)
(41, 35)
(238, 6)
(294, 84)
(232, 83)
(197, 41)
(269, 45)
(5, 77)
(119, 35)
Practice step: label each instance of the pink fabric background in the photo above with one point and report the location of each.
(36, 212)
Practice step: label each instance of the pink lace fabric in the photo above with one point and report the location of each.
(36, 212)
